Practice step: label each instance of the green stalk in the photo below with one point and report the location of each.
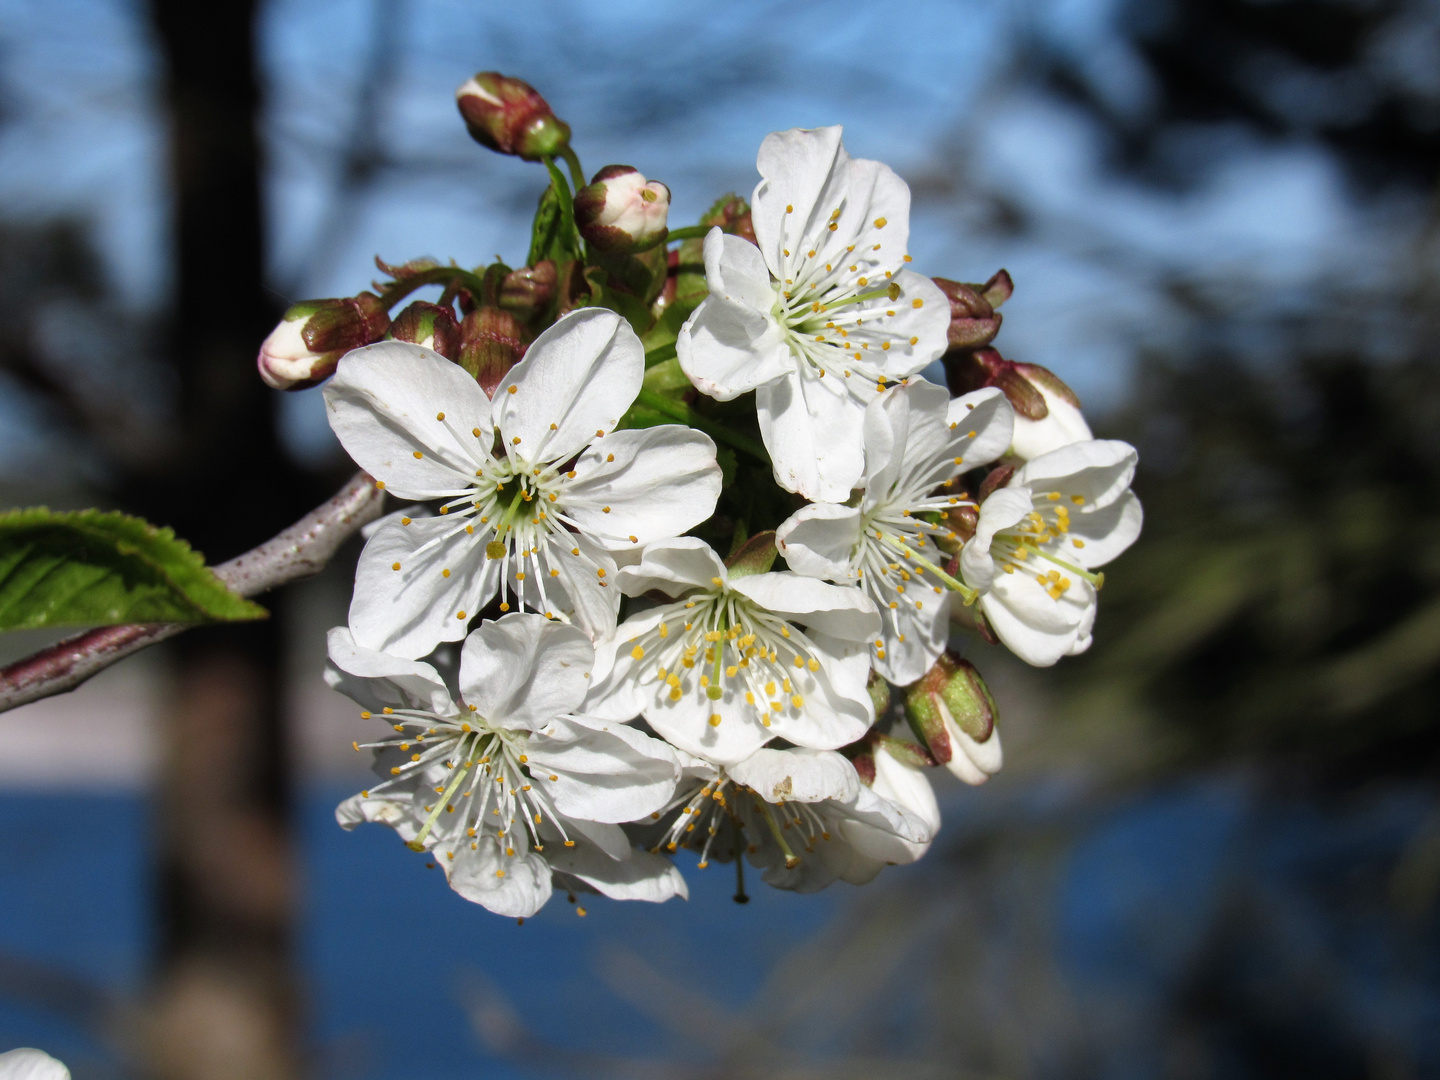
(576, 172)
(688, 232)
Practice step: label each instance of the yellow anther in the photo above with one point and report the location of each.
(638, 652)
(418, 454)
(715, 719)
(880, 223)
(797, 701)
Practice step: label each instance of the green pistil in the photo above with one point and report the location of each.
(418, 844)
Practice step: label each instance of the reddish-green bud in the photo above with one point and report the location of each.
(429, 325)
(755, 556)
(731, 213)
(951, 711)
(492, 341)
(879, 691)
(308, 342)
(973, 322)
(346, 323)
(620, 212)
(510, 117)
(1047, 412)
(527, 292)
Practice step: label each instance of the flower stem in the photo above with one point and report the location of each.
(659, 355)
(449, 276)
(576, 172)
(679, 411)
(567, 200)
(689, 232)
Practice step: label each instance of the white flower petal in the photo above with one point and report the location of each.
(727, 349)
(819, 539)
(1099, 471)
(673, 567)
(1034, 627)
(838, 709)
(30, 1064)
(411, 610)
(524, 670)
(1001, 510)
(642, 876)
(812, 428)
(1105, 532)
(686, 725)
(606, 771)
(989, 415)
(1063, 424)
(515, 885)
(577, 379)
(655, 482)
(383, 405)
(376, 679)
(797, 167)
(974, 762)
(926, 632)
(578, 592)
(897, 322)
(797, 775)
(842, 611)
(736, 271)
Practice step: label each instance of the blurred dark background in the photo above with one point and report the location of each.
(1215, 847)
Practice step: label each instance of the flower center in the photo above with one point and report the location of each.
(702, 815)
(1042, 534)
(722, 645)
(486, 778)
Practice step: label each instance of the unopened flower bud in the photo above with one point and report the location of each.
(892, 768)
(732, 214)
(510, 117)
(429, 325)
(950, 709)
(973, 322)
(1047, 412)
(492, 341)
(879, 691)
(308, 342)
(527, 292)
(621, 212)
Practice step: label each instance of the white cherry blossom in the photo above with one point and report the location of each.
(917, 440)
(735, 661)
(537, 490)
(822, 315)
(803, 816)
(507, 785)
(1038, 540)
(30, 1064)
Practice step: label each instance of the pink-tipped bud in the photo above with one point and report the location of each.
(429, 325)
(308, 342)
(1047, 412)
(621, 212)
(527, 292)
(950, 709)
(510, 117)
(492, 341)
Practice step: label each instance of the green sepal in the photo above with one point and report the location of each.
(756, 556)
(625, 304)
(94, 568)
(553, 234)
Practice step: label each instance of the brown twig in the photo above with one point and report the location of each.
(302, 549)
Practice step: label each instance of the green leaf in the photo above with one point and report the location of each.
(553, 235)
(91, 568)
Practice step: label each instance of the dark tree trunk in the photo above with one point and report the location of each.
(226, 999)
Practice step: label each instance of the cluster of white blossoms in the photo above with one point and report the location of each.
(590, 639)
